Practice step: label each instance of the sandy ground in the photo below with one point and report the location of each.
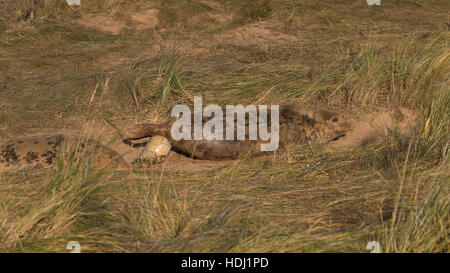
(104, 22)
(372, 127)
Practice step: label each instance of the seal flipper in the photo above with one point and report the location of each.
(144, 130)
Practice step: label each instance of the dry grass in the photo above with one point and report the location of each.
(343, 54)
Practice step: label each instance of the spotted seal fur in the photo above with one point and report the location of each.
(41, 151)
(298, 124)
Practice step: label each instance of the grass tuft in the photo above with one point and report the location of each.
(71, 183)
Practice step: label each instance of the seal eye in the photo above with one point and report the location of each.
(335, 119)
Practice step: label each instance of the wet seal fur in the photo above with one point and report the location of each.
(298, 124)
(41, 151)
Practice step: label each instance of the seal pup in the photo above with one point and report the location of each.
(297, 124)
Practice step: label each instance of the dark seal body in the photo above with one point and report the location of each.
(42, 150)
